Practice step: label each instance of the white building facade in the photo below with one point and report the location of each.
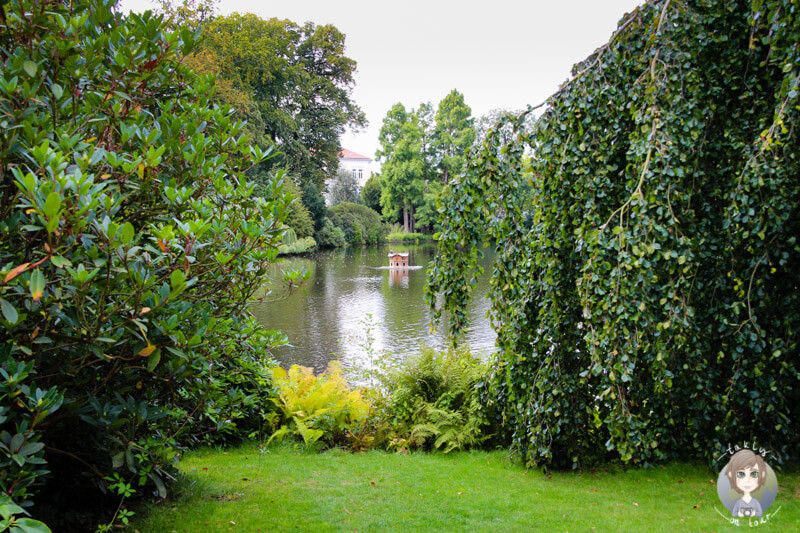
(357, 164)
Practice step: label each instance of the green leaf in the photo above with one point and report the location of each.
(30, 67)
(31, 448)
(52, 205)
(118, 460)
(9, 313)
(126, 233)
(177, 278)
(159, 483)
(29, 525)
(52, 224)
(37, 285)
(60, 262)
(153, 359)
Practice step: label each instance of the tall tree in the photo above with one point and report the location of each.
(403, 166)
(454, 133)
(291, 82)
(371, 193)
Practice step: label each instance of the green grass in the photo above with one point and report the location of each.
(243, 489)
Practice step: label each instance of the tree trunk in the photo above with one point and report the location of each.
(405, 219)
(411, 220)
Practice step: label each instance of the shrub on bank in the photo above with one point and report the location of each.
(290, 244)
(360, 224)
(330, 236)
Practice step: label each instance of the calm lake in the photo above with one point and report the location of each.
(349, 298)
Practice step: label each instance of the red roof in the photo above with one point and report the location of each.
(349, 154)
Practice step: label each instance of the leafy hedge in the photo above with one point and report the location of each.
(650, 308)
(130, 243)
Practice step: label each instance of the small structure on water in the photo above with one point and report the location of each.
(398, 259)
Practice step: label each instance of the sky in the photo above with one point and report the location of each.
(499, 54)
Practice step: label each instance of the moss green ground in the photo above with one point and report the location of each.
(244, 489)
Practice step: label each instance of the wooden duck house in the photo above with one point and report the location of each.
(398, 259)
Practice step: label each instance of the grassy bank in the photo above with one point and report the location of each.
(244, 489)
(401, 237)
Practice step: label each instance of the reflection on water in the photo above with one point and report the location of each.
(348, 290)
(398, 278)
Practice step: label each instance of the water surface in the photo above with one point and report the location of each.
(351, 296)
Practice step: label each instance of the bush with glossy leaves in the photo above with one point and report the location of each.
(130, 245)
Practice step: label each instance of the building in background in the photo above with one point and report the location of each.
(358, 164)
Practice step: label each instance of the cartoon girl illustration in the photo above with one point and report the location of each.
(747, 473)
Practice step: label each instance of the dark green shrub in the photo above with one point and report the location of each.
(130, 244)
(370, 194)
(330, 236)
(360, 224)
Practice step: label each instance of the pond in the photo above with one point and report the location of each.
(352, 304)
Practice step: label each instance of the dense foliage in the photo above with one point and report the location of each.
(454, 133)
(291, 244)
(343, 188)
(432, 401)
(360, 224)
(130, 244)
(292, 82)
(370, 194)
(648, 306)
(320, 410)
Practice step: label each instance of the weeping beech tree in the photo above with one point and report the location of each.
(646, 301)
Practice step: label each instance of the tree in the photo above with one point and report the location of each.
(299, 218)
(403, 167)
(130, 246)
(344, 188)
(650, 309)
(371, 193)
(315, 204)
(291, 82)
(453, 135)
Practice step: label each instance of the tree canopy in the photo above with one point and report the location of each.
(291, 82)
(403, 165)
(453, 134)
(648, 307)
(419, 149)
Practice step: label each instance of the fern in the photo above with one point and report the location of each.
(317, 408)
(434, 402)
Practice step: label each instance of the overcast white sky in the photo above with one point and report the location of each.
(500, 53)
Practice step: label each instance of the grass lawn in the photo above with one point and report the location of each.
(243, 489)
